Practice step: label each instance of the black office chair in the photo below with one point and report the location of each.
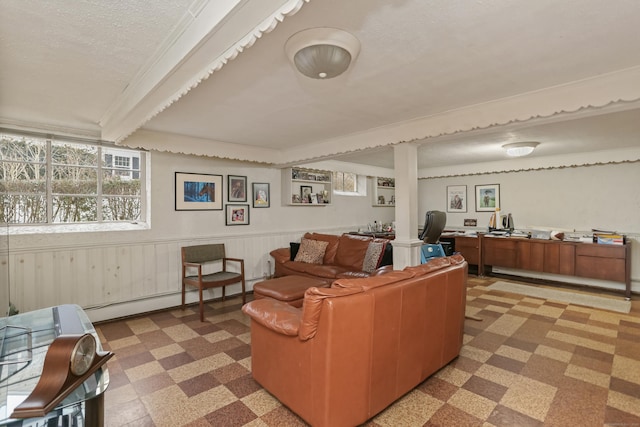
(434, 224)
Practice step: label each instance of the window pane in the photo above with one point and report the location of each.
(22, 149)
(23, 209)
(120, 208)
(346, 182)
(74, 209)
(74, 154)
(74, 180)
(349, 182)
(115, 185)
(23, 186)
(124, 174)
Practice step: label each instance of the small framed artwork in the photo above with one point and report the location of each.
(237, 215)
(198, 192)
(237, 188)
(261, 195)
(305, 193)
(456, 198)
(487, 197)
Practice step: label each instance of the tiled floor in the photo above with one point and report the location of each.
(530, 362)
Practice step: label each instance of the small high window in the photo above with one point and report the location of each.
(345, 182)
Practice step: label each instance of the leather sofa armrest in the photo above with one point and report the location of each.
(275, 315)
(281, 255)
(312, 307)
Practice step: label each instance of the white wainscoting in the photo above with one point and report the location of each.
(111, 281)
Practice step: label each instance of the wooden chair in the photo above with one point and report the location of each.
(195, 258)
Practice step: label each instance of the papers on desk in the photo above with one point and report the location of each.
(522, 234)
(497, 233)
(454, 233)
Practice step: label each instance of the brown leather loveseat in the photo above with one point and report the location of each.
(354, 348)
(341, 256)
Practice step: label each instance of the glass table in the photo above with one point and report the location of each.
(24, 340)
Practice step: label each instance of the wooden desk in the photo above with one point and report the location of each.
(589, 260)
(470, 247)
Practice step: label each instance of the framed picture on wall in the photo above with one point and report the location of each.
(456, 198)
(237, 188)
(487, 197)
(237, 215)
(261, 195)
(305, 193)
(198, 192)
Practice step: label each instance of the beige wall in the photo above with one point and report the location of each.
(569, 198)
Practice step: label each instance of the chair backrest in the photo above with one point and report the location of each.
(434, 224)
(431, 250)
(203, 253)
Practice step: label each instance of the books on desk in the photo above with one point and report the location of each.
(609, 239)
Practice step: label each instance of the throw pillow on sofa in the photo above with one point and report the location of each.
(373, 256)
(311, 251)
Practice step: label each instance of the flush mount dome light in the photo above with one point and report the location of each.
(322, 53)
(519, 149)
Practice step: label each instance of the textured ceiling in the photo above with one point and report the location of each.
(461, 78)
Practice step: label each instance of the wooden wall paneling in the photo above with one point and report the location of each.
(148, 269)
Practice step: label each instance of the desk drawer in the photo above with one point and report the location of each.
(469, 247)
(600, 251)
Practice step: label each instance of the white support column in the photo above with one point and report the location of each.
(406, 246)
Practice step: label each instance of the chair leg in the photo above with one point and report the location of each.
(244, 297)
(223, 293)
(183, 291)
(201, 305)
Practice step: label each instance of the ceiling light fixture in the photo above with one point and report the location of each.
(519, 149)
(322, 53)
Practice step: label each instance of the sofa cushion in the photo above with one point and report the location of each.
(332, 247)
(311, 251)
(353, 275)
(318, 270)
(372, 257)
(351, 251)
(294, 247)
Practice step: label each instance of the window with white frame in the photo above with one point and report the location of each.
(345, 182)
(349, 184)
(54, 180)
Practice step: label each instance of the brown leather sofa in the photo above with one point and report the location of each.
(344, 257)
(354, 348)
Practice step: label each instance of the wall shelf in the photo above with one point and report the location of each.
(384, 192)
(306, 187)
